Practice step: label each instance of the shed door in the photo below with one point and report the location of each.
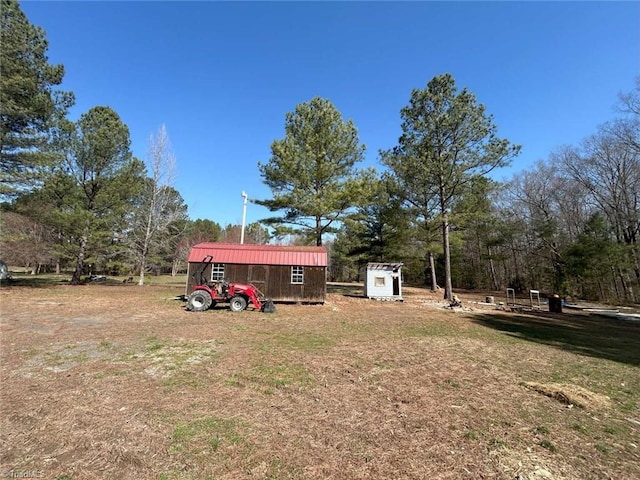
(258, 276)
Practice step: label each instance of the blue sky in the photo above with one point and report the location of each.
(222, 75)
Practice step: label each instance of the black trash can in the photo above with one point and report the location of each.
(555, 304)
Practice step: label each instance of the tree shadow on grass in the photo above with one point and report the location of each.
(591, 335)
(33, 282)
(347, 290)
(48, 280)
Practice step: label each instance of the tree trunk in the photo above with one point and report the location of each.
(636, 260)
(516, 268)
(318, 232)
(174, 268)
(448, 289)
(492, 269)
(614, 282)
(143, 265)
(141, 279)
(146, 244)
(58, 258)
(626, 286)
(432, 267)
(77, 274)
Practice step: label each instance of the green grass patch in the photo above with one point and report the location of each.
(542, 430)
(47, 280)
(430, 328)
(167, 280)
(450, 382)
(70, 356)
(176, 364)
(266, 378)
(282, 375)
(111, 373)
(205, 436)
(548, 445)
(44, 280)
(154, 343)
(580, 428)
(471, 435)
(193, 380)
(497, 444)
(279, 468)
(612, 429)
(588, 336)
(457, 332)
(298, 341)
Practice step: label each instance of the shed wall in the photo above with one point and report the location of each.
(373, 289)
(383, 282)
(272, 280)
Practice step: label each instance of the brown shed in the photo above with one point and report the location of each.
(282, 273)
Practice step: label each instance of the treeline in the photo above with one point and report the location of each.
(38, 248)
(569, 225)
(76, 199)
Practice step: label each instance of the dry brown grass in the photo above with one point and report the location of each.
(572, 395)
(119, 381)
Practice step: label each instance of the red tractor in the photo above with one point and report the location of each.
(207, 294)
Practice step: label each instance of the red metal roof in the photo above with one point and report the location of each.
(259, 254)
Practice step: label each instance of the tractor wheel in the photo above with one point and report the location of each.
(237, 303)
(199, 301)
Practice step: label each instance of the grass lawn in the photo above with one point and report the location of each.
(118, 381)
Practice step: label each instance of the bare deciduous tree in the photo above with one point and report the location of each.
(25, 242)
(160, 204)
(608, 167)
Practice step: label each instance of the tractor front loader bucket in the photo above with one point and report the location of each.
(268, 306)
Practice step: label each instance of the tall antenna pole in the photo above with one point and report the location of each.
(244, 216)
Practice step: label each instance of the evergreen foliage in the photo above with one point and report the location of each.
(102, 180)
(30, 107)
(312, 172)
(447, 141)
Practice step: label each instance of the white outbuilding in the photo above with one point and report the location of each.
(383, 281)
